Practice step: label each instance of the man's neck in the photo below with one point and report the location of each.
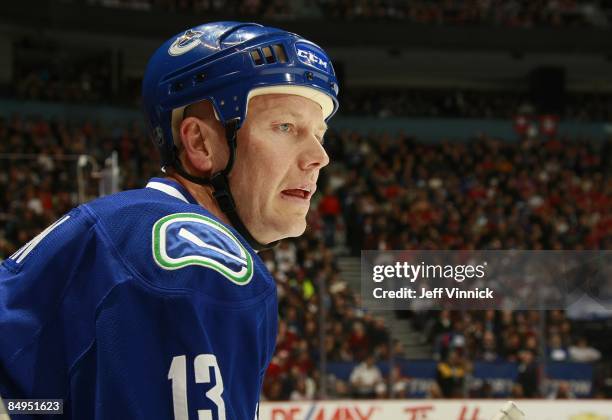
(203, 194)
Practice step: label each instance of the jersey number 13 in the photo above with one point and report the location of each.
(178, 375)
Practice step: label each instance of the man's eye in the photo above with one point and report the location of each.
(286, 127)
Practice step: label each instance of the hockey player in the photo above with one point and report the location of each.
(152, 303)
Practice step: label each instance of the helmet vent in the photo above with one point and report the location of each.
(256, 56)
(279, 51)
(269, 55)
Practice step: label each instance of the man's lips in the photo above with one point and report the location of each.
(302, 193)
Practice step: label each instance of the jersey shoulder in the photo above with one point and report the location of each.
(62, 240)
(175, 244)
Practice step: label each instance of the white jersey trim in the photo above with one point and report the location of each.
(170, 190)
(27, 248)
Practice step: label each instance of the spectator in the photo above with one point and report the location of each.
(399, 383)
(434, 391)
(340, 389)
(329, 208)
(485, 391)
(562, 391)
(451, 375)
(528, 377)
(583, 353)
(303, 389)
(556, 351)
(517, 391)
(365, 377)
(359, 342)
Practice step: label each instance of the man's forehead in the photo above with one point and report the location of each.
(280, 99)
(299, 96)
(294, 105)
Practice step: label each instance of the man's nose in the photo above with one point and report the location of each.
(314, 156)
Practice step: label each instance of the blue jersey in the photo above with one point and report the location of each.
(140, 305)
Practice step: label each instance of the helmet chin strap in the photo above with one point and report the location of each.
(221, 188)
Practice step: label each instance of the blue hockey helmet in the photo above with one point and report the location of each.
(228, 63)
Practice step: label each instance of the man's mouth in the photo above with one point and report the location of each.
(303, 194)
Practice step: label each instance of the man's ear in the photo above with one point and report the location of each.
(197, 140)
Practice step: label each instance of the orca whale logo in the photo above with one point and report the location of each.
(184, 239)
(186, 42)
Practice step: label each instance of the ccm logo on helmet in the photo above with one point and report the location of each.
(310, 57)
(186, 42)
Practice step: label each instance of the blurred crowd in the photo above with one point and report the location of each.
(262, 9)
(383, 192)
(449, 103)
(310, 285)
(45, 70)
(460, 338)
(397, 193)
(39, 180)
(88, 81)
(515, 13)
(85, 82)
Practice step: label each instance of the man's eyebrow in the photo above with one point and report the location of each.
(297, 115)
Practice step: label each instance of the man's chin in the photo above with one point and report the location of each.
(300, 231)
(292, 230)
(287, 230)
